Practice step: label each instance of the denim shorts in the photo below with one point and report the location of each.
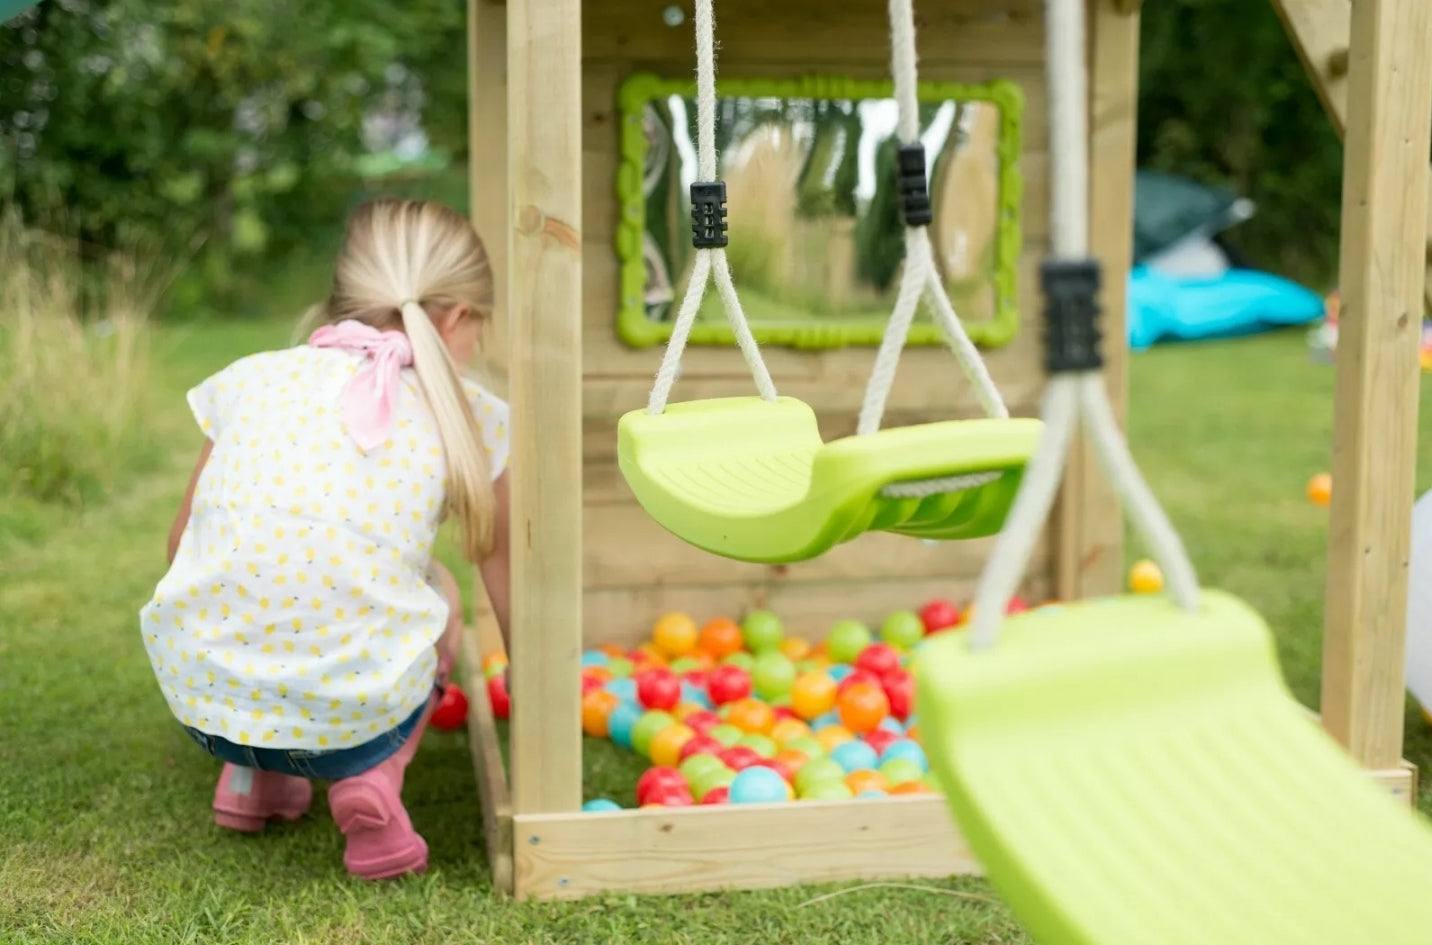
(324, 765)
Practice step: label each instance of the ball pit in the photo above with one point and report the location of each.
(732, 712)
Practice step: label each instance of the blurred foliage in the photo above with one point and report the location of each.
(235, 123)
(1225, 100)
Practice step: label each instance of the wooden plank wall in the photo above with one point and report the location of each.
(633, 570)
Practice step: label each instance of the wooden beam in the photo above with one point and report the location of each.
(756, 846)
(487, 161)
(492, 786)
(1320, 31)
(1384, 230)
(1089, 524)
(544, 151)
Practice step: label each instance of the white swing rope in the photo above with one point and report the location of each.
(710, 261)
(1072, 395)
(920, 279)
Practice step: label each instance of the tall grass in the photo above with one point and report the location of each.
(74, 364)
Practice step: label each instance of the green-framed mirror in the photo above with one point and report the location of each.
(816, 242)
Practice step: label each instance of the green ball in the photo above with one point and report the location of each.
(808, 666)
(902, 629)
(740, 658)
(816, 771)
(900, 770)
(684, 665)
(772, 674)
(695, 766)
(847, 640)
(721, 777)
(727, 735)
(762, 631)
(762, 745)
(646, 728)
(620, 666)
(809, 746)
(827, 791)
(784, 699)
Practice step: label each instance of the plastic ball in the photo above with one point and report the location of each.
(700, 745)
(670, 795)
(861, 707)
(795, 649)
(726, 734)
(499, 697)
(647, 656)
(816, 771)
(728, 684)
(658, 688)
(908, 750)
(739, 757)
(621, 722)
(761, 631)
(720, 777)
(898, 770)
(1320, 489)
(740, 659)
(600, 804)
(654, 778)
(751, 715)
(772, 674)
(721, 794)
(674, 635)
(839, 671)
(866, 780)
(719, 637)
(902, 629)
(890, 724)
(827, 791)
(812, 695)
(623, 688)
(832, 735)
(825, 721)
(808, 745)
(760, 744)
(939, 614)
(620, 666)
(784, 730)
(697, 766)
(590, 658)
(910, 787)
(899, 689)
(685, 665)
(854, 755)
(793, 759)
(683, 710)
(786, 772)
(695, 693)
(451, 711)
(846, 640)
(880, 739)
(651, 722)
(759, 785)
(703, 721)
(597, 707)
(666, 745)
(1145, 578)
(878, 659)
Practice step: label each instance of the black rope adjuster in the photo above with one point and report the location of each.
(914, 193)
(1071, 315)
(708, 214)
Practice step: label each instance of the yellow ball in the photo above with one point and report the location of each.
(1320, 489)
(1145, 578)
(667, 744)
(833, 735)
(674, 635)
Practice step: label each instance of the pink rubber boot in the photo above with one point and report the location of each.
(368, 808)
(246, 799)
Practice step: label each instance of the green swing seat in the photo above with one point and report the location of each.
(1130, 773)
(752, 480)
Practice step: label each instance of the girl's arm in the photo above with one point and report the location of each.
(496, 568)
(176, 531)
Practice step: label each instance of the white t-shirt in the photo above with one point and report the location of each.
(297, 612)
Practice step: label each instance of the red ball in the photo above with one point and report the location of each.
(700, 745)
(717, 795)
(739, 757)
(1015, 606)
(784, 712)
(855, 677)
(880, 739)
(654, 778)
(498, 695)
(900, 690)
(697, 677)
(451, 711)
(779, 767)
(728, 684)
(658, 688)
(878, 659)
(670, 795)
(939, 614)
(589, 683)
(702, 721)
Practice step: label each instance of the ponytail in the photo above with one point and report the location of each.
(469, 491)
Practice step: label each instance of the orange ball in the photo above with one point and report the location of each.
(682, 709)
(812, 695)
(674, 635)
(1320, 489)
(599, 673)
(597, 707)
(833, 735)
(720, 637)
(866, 780)
(795, 648)
(701, 658)
(862, 707)
(793, 758)
(751, 715)
(913, 732)
(493, 660)
(786, 729)
(910, 787)
(666, 745)
(612, 650)
(646, 656)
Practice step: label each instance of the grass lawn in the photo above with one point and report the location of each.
(104, 814)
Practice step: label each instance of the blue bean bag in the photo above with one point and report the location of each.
(1236, 302)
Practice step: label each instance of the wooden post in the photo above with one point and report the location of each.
(544, 151)
(487, 163)
(1319, 31)
(1089, 525)
(1384, 229)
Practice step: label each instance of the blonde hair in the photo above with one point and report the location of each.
(402, 263)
